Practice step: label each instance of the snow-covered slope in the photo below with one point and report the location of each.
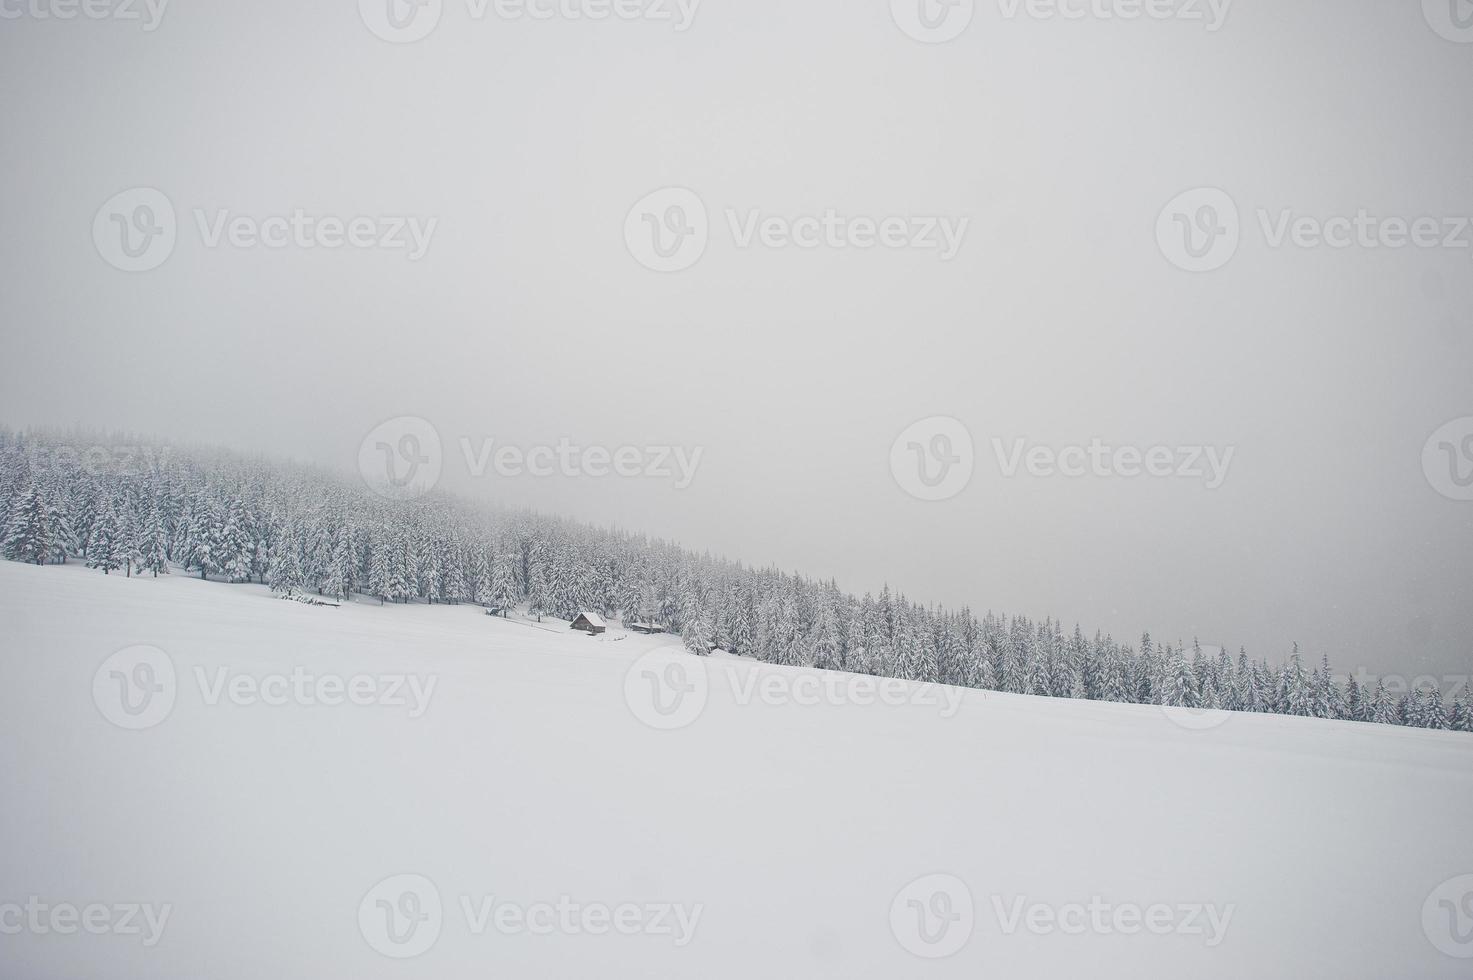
(678, 817)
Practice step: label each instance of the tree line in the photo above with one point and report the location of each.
(131, 507)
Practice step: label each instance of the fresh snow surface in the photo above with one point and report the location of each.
(817, 840)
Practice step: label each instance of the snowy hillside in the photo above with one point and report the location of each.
(204, 780)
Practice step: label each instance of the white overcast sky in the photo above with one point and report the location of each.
(1060, 320)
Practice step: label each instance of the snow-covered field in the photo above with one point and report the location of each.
(200, 780)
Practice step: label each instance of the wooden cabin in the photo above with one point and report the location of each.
(589, 622)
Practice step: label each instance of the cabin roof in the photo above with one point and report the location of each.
(594, 619)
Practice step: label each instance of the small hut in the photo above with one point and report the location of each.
(589, 622)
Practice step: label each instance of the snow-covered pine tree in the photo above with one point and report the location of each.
(1181, 690)
(286, 574)
(823, 650)
(1460, 716)
(106, 548)
(29, 535)
(1298, 691)
(1354, 708)
(1431, 712)
(378, 570)
(479, 577)
(1117, 680)
(1039, 677)
(1383, 709)
(154, 546)
(697, 635)
(1147, 670)
(503, 584)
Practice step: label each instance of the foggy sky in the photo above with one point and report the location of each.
(1059, 321)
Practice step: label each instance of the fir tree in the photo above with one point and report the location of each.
(1460, 717)
(107, 548)
(1383, 706)
(153, 552)
(29, 537)
(697, 635)
(378, 572)
(1298, 695)
(1181, 684)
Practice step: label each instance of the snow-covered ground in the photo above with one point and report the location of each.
(279, 790)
